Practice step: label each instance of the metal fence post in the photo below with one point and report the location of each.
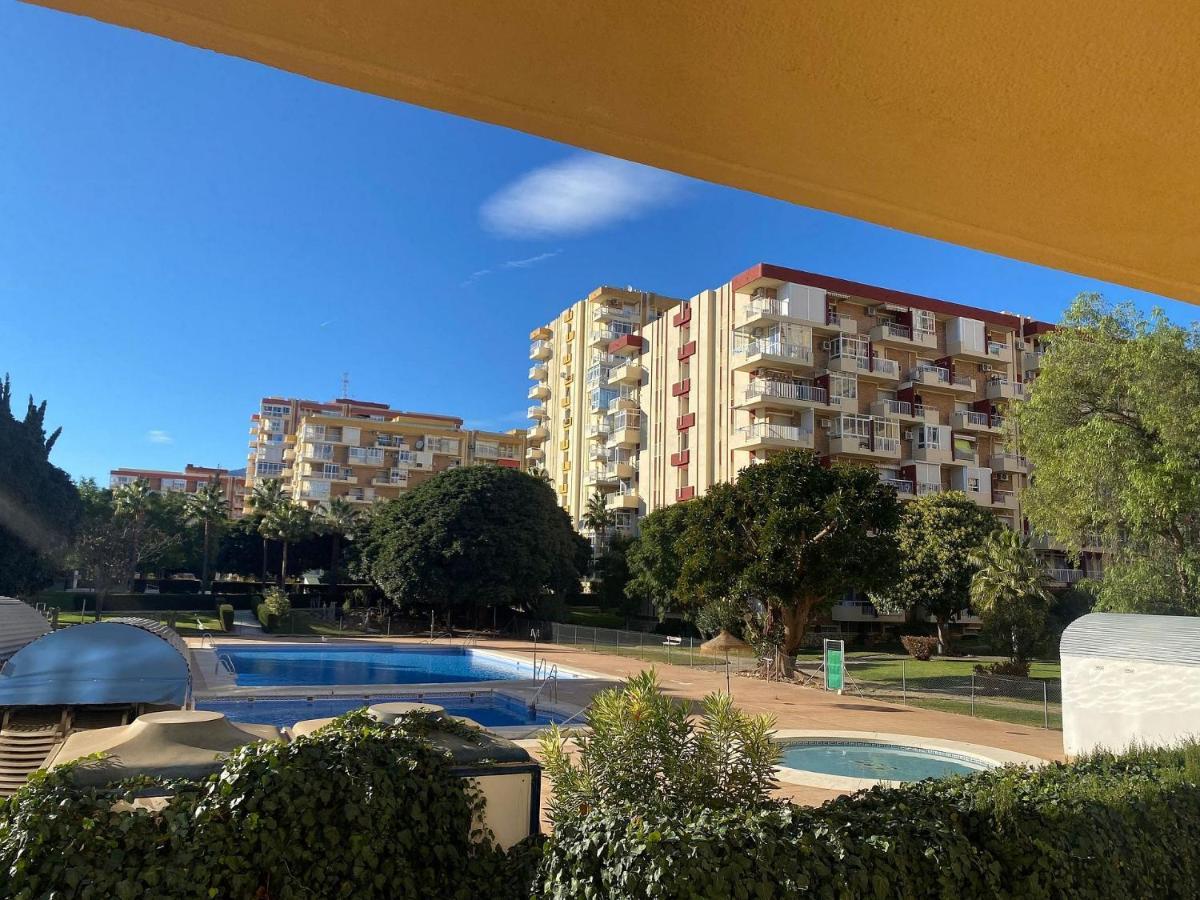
(903, 684)
(1045, 706)
(641, 643)
(691, 647)
(595, 631)
(972, 695)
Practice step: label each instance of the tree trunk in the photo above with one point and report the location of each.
(795, 629)
(264, 571)
(204, 565)
(333, 563)
(283, 567)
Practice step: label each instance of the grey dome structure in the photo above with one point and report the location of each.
(20, 623)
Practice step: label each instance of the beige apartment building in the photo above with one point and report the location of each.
(189, 481)
(364, 451)
(777, 359)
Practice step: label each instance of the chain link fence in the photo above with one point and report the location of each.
(1034, 702)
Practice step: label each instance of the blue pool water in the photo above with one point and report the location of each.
(883, 762)
(305, 664)
(486, 708)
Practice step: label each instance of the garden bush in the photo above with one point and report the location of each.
(919, 646)
(356, 810)
(1108, 827)
(1007, 668)
(266, 618)
(225, 613)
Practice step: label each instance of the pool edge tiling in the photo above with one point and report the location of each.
(987, 757)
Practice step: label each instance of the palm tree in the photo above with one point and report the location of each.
(338, 520)
(208, 507)
(597, 517)
(1010, 590)
(132, 502)
(266, 497)
(287, 523)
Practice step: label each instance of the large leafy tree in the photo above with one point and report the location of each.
(288, 522)
(655, 558)
(1010, 592)
(208, 509)
(789, 539)
(611, 571)
(474, 537)
(937, 535)
(1112, 427)
(39, 507)
(339, 519)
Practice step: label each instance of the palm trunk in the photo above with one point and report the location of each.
(283, 566)
(204, 586)
(333, 563)
(264, 571)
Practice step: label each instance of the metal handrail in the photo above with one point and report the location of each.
(224, 662)
(550, 680)
(207, 636)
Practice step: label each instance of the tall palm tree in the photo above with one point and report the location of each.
(598, 518)
(1011, 589)
(132, 502)
(287, 523)
(208, 508)
(266, 497)
(338, 519)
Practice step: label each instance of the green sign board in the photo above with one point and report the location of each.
(835, 665)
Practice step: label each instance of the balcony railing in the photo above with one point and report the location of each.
(995, 348)
(768, 347)
(896, 407)
(902, 485)
(918, 373)
(891, 329)
(775, 432)
(1066, 576)
(928, 487)
(1001, 460)
(970, 417)
(786, 390)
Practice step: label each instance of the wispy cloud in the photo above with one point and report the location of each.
(579, 194)
(155, 436)
(510, 264)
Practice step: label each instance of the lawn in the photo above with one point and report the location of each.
(186, 623)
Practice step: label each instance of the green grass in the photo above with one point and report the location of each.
(888, 668)
(592, 617)
(185, 622)
(1031, 715)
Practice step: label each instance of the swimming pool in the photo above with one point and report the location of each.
(320, 664)
(488, 708)
(876, 761)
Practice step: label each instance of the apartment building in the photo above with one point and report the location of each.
(190, 480)
(777, 359)
(587, 368)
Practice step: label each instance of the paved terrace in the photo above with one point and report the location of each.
(791, 705)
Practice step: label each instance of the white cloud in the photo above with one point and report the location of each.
(155, 436)
(579, 194)
(510, 264)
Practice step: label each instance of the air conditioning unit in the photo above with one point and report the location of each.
(985, 367)
(826, 345)
(1003, 476)
(908, 434)
(826, 424)
(871, 310)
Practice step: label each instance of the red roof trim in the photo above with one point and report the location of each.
(881, 295)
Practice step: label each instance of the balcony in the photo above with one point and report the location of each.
(603, 477)
(538, 433)
(1009, 462)
(625, 497)
(684, 493)
(855, 435)
(538, 373)
(897, 335)
(925, 488)
(1004, 499)
(939, 377)
(628, 345)
(605, 313)
(771, 436)
(870, 367)
(1003, 389)
(626, 468)
(631, 373)
(390, 480)
(361, 495)
(535, 454)
(930, 453)
(539, 391)
(894, 409)
(541, 334)
(839, 323)
(538, 412)
(754, 354)
(1065, 576)
(1031, 360)
(764, 392)
(970, 420)
(602, 337)
(903, 487)
(539, 350)
(990, 351)
(626, 430)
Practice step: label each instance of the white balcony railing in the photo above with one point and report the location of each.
(896, 407)
(786, 390)
(902, 485)
(891, 329)
(995, 348)
(1066, 576)
(928, 487)
(918, 373)
(769, 347)
(776, 432)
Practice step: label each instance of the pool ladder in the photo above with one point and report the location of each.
(550, 681)
(224, 662)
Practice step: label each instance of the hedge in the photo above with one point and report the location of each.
(1106, 828)
(266, 618)
(225, 612)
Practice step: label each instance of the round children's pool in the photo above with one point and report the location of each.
(875, 761)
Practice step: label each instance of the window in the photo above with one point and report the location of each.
(842, 387)
(683, 439)
(173, 485)
(929, 437)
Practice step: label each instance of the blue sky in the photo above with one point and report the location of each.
(183, 233)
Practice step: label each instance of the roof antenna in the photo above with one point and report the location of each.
(345, 384)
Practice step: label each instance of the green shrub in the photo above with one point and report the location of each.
(725, 613)
(225, 614)
(1107, 827)
(266, 618)
(645, 750)
(277, 601)
(919, 647)
(1007, 668)
(355, 810)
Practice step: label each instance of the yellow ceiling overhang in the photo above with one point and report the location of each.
(1065, 134)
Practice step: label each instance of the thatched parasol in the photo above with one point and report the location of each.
(723, 644)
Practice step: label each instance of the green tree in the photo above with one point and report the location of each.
(612, 577)
(1010, 592)
(789, 539)
(288, 523)
(937, 535)
(209, 509)
(597, 517)
(266, 497)
(39, 507)
(655, 558)
(474, 537)
(339, 519)
(1112, 426)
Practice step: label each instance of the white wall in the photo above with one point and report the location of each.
(1113, 704)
